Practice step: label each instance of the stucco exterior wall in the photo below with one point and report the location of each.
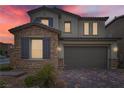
(76, 24)
(101, 28)
(45, 13)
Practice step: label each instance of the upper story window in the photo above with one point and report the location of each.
(48, 21)
(45, 22)
(67, 26)
(95, 28)
(86, 28)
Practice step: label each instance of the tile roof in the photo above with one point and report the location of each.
(115, 19)
(58, 11)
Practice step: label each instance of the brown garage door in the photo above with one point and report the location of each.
(76, 57)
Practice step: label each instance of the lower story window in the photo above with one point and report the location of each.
(36, 48)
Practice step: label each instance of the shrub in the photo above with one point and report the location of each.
(5, 68)
(3, 84)
(30, 81)
(46, 77)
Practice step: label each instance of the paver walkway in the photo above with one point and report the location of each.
(94, 78)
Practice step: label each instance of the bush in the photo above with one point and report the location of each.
(5, 68)
(30, 81)
(46, 77)
(3, 84)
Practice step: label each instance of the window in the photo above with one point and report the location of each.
(95, 28)
(45, 22)
(67, 27)
(36, 48)
(86, 28)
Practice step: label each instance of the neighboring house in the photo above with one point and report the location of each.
(116, 29)
(5, 49)
(63, 39)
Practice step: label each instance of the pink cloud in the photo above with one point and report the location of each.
(12, 16)
(76, 9)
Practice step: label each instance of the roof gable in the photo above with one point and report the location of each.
(33, 24)
(41, 8)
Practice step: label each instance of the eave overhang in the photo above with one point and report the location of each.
(89, 39)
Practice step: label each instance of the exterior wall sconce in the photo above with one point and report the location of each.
(115, 49)
(59, 49)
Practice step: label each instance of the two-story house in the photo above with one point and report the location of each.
(61, 38)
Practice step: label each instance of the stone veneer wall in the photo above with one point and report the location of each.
(115, 63)
(26, 64)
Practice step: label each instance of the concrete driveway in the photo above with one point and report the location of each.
(93, 78)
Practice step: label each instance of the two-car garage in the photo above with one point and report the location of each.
(77, 57)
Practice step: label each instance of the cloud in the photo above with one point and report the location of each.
(85, 10)
(6, 39)
(16, 16)
(96, 10)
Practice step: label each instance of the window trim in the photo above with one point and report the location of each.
(88, 29)
(30, 48)
(70, 26)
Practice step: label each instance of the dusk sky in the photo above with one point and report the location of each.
(12, 16)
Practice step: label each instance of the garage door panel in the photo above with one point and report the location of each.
(89, 57)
